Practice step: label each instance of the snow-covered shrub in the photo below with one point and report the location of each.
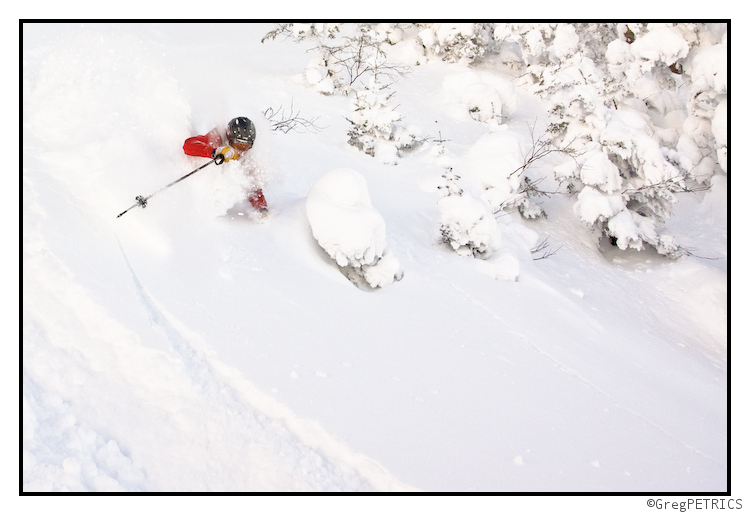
(647, 69)
(450, 186)
(374, 127)
(344, 64)
(391, 33)
(678, 72)
(372, 116)
(350, 61)
(300, 31)
(495, 167)
(485, 97)
(467, 220)
(532, 40)
(594, 38)
(345, 55)
(565, 42)
(628, 184)
(531, 48)
(623, 174)
(349, 229)
(439, 153)
(320, 76)
(455, 42)
(707, 91)
(468, 225)
(719, 129)
(655, 68)
(471, 229)
(660, 46)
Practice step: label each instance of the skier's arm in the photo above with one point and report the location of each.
(198, 146)
(202, 146)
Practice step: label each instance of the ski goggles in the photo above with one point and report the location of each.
(241, 145)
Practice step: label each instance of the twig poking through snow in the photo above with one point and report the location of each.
(293, 122)
(543, 248)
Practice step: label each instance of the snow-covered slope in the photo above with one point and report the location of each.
(176, 350)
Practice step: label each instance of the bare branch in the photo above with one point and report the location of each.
(543, 248)
(691, 252)
(357, 57)
(674, 185)
(542, 146)
(280, 121)
(283, 29)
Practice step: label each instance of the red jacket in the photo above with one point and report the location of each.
(203, 146)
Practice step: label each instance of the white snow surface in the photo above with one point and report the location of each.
(173, 349)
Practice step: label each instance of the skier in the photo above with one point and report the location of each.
(230, 146)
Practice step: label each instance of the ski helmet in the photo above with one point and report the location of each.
(241, 131)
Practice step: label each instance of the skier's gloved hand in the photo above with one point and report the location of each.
(226, 153)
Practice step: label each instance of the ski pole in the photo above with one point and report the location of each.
(141, 201)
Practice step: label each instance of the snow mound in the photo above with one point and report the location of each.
(503, 267)
(349, 229)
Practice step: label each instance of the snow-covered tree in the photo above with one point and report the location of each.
(374, 124)
(455, 42)
(677, 75)
(300, 31)
(468, 225)
(632, 118)
(628, 185)
(708, 89)
(372, 116)
(486, 97)
(495, 166)
(350, 61)
(348, 57)
(450, 187)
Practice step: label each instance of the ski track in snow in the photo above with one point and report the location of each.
(227, 445)
(272, 436)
